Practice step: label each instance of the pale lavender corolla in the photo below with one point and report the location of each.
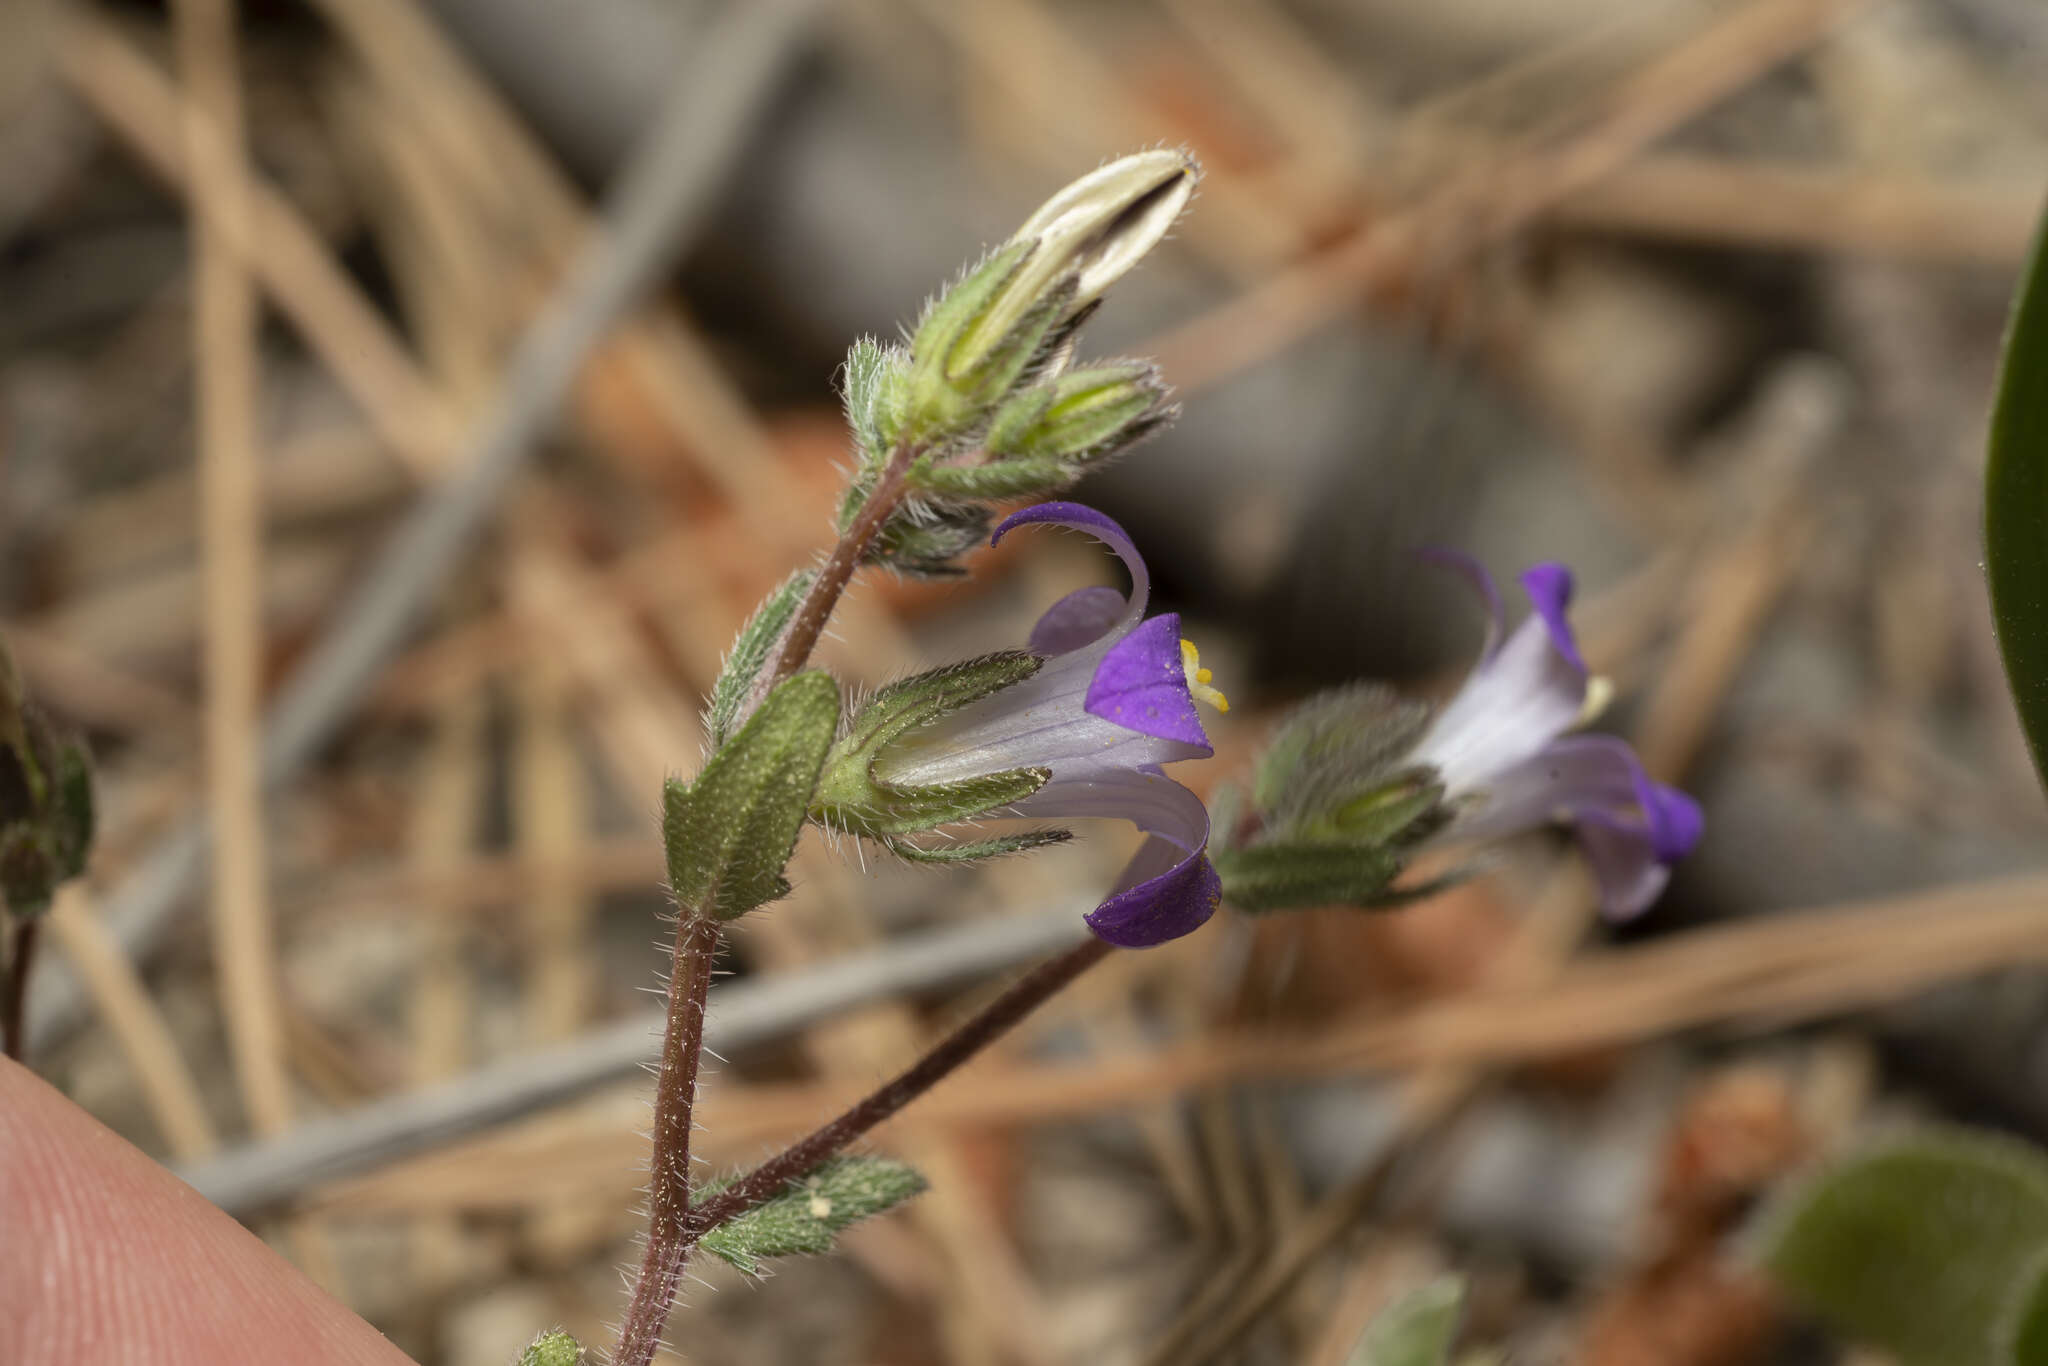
(1503, 751)
(1113, 703)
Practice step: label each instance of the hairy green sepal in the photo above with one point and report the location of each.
(873, 386)
(1021, 843)
(975, 343)
(803, 1219)
(852, 796)
(730, 833)
(1045, 437)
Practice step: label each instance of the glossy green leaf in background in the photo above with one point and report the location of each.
(1929, 1246)
(2016, 504)
(1417, 1329)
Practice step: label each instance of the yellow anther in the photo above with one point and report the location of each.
(1198, 678)
(1599, 692)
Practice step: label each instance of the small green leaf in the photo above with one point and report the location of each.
(806, 1215)
(2016, 503)
(1290, 876)
(1919, 1246)
(553, 1348)
(1416, 1330)
(730, 833)
(750, 652)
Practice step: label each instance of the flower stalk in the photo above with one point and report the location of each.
(836, 1135)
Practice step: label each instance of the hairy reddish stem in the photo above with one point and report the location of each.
(668, 1206)
(991, 1023)
(837, 571)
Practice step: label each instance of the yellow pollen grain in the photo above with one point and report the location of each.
(1198, 678)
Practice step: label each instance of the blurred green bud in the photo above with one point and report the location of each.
(1336, 808)
(1014, 311)
(46, 801)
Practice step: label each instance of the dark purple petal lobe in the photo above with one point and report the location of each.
(1549, 587)
(1162, 907)
(1142, 685)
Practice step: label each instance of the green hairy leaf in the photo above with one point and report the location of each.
(554, 1348)
(730, 833)
(1923, 1246)
(803, 1218)
(1416, 1330)
(2016, 503)
(750, 651)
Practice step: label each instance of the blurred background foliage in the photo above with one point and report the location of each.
(1702, 297)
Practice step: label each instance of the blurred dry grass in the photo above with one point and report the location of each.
(1741, 263)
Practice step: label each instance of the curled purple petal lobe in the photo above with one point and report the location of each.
(1162, 907)
(1080, 618)
(1142, 685)
(1169, 889)
(1080, 517)
(1549, 587)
